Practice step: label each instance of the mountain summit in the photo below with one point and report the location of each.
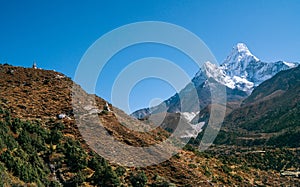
(245, 71)
(240, 72)
(240, 56)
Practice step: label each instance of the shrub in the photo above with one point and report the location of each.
(120, 171)
(75, 156)
(105, 176)
(138, 180)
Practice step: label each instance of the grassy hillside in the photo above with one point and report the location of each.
(38, 148)
(269, 116)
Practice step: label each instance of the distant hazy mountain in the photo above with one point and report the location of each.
(241, 72)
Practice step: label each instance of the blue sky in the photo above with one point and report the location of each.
(57, 33)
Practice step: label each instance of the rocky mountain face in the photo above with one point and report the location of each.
(241, 72)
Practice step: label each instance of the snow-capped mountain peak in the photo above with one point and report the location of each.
(219, 75)
(241, 52)
(239, 57)
(242, 48)
(243, 71)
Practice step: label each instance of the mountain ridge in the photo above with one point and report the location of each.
(271, 112)
(240, 72)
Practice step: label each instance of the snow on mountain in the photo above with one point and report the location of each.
(189, 115)
(290, 64)
(242, 84)
(233, 82)
(194, 130)
(243, 71)
(215, 72)
(239, 60)
(199, 78)
(240, 72)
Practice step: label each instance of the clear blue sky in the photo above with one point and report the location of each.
(57, 33)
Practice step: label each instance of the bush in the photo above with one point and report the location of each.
(138, 180)
(192, 166)
(161, 182)
(54, 184)
(76, 157)
(78, 179)
(105, 176)
(27, 153)
(120, 171)
(226, 169)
